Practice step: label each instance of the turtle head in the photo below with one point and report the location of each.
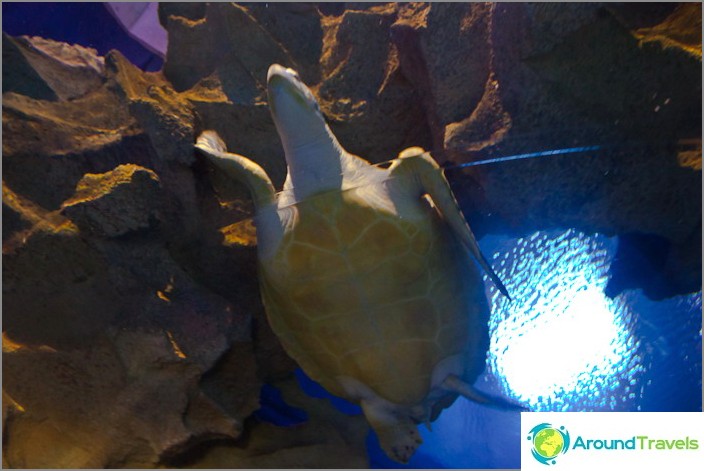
(294, 109)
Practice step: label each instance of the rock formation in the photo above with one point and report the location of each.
(133, 334)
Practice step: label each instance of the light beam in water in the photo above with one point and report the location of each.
(528, 155)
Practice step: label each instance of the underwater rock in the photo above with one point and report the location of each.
(48, 146)
(114, 203)
(365, 92)
(443, 52)
(298, 28)
(134, 391)
(677, 24)
(635, 101)
(651, 92)
(114, 322)
(119, 324)
(229, 42)
(190, 55)
(56, 289)
(639, 102)
(251, 46)
(22, 78)
(661, 269)
(328, 438)
(165, 117)
(50, 70)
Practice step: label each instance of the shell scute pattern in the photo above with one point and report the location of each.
(341, 333)
(410, 319)
(408, 273)
(325, 237)
(367, 365)
(382, 309)
(416, 359)
(311, 261)
(381, 240)
(421, 243)
(326, 300)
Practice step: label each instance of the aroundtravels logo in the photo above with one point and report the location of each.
(611, 440)
(549, 442)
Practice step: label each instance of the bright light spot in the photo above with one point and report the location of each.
(561, 342)
(561, 346)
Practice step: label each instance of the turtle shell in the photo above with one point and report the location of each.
(355, 290)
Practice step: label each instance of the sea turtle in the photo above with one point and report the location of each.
(365, 272)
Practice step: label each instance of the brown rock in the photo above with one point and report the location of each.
(558, 80)
(649, 86)
(22, 78)
(140, 375)
(133, 393)
(115, 321)
(328, 439)
(251, 50)
(444, 52)
(231, 382)
(229, 42)
(188, 10)
(298, 28)
(117, 202)
(163, 114)
(76, 301)
(677, 25)
(487, 124)
(49, 69)
(55, 143)
(191, 54)
(371, 107)
(454, 45)
(23, 216)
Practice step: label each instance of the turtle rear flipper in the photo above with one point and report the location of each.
(398, 434)
(454, 384)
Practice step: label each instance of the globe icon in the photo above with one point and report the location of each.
(548, 443)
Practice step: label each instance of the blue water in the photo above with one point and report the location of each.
(562, 344)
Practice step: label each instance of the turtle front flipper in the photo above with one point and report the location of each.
(398, 434)
(237, 167)
(417, 163)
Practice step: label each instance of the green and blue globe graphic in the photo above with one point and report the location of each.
(548, 442)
